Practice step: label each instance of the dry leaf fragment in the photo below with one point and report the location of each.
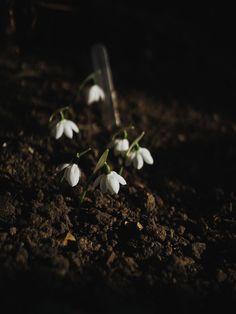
(140, 226)
(30, 150)
(69, 237)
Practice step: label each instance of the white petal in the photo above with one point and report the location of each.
(67, 174)
(138, 161)
(116, 144)
(72, 174)
(147, 157)
(103, 184)
(95, 94)
(124, 145)
(64, 166)
(119, 178)
(97, 181)
(73, 126)
(90, 99)
(119, 145)
(113, 183)
(59, 128)
(68, 130)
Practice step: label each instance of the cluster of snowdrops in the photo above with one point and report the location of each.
(104, 176)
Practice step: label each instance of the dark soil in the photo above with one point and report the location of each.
(165, 243)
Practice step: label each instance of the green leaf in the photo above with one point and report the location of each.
(101, 161)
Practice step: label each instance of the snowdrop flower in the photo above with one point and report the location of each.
(110, 182)
(72, 173)
(65, 126)
(121, 146)
(95, 94)
(138, 157)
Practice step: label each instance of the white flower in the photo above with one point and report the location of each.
(72, 173)
(64, 126)
(121, 146)
(95, 94)
(138, 157)
(110, 182)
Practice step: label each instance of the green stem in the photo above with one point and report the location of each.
(86, 188)
(101, 163)
(88, 78)
(121, 170)
(62, 115)
(135, 142)
(125, 129)
(107, 168)
(59, 111)
(79, 155)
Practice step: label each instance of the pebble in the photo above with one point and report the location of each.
(181, 230)
(198, 248)
(220, 275)
(12, 231)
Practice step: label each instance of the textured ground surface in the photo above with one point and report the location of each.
(166, 242)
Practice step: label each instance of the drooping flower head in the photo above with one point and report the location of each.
(121, 146)
(120, 142)
(137, 155)
(63, 126)
(109, 181)
(95, 94)
(72, 173)
(66, 127)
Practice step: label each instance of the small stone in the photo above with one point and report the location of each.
(139, 226)
(183, 261)
(159, 201)
(169, 250)
(131, 263)
(22, 257)
(161, 233)
(97, 247)
(85, 244)
(3, 236)
(61, 265)
(30, 150)
(183, 216)
(190, 237)
(181, 230)
(172, 233)
(198, 248)
(150, 202)
(12, 231)
(111, 259)
(181, 137)
(220, 275)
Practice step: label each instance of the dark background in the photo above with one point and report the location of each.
(182, 55)
(182, 52)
